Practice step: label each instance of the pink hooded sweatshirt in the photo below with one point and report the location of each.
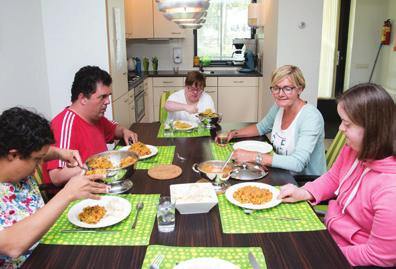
(362, 219)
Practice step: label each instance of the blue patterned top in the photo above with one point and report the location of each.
(18, 201)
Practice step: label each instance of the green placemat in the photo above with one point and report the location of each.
(221, 152)
(173, 255)
(140, 236)
(165, 156)
(197, 132)
(234, 220)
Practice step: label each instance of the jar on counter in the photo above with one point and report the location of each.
(196, 61)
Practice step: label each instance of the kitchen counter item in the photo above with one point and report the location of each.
(165, 172)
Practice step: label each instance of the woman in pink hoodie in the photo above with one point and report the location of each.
(362, 218)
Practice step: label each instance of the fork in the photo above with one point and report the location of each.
(250, 212)
(157, 261)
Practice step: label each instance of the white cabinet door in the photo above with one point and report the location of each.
(139, 19)
(121, 110)
(117, 47)
(212, 91)
(238, 104)
(164, 28)
(148, 100)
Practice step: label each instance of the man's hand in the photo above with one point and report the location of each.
(128, 136)
(290, 193)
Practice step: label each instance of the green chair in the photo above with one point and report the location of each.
(163, 114)
(47, 190)
(334, 150)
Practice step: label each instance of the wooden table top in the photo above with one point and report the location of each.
(282, 250)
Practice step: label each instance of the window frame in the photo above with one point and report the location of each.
(220, 62)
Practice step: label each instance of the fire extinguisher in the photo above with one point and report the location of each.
(386, 32)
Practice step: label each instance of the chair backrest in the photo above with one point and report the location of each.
(163, 114)
(334, 149)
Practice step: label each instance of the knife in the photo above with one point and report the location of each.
(253, 261)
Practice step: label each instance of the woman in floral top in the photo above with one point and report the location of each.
(25, 140)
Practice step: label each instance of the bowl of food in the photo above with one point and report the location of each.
(209, 117)
(193, 198)
(212, 169)
(116, 165)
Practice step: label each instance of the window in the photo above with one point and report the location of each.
(226, 20)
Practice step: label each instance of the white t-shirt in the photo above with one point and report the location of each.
(284, 140)
(205, 102)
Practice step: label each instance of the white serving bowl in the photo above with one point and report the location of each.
(193, 198)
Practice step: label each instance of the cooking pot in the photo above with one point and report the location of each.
(215, 165)
(118, 173)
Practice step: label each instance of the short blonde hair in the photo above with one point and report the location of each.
(291, 71)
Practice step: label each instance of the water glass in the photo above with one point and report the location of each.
(222, 139)
(166, 215)
(168, 128)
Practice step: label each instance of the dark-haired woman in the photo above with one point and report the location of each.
(362, 217)
(25, 140)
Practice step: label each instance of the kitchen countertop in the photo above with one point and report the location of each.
(183, 73)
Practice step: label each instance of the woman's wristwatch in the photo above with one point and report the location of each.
(259, 158)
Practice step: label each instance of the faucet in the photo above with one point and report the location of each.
(201, 67)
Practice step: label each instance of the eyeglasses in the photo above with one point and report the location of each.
(286, 90)
(194, 89)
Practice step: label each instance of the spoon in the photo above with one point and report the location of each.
(181, 158)
(139, 207)
(228, 160)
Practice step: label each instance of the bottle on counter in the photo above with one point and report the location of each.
(196, 61)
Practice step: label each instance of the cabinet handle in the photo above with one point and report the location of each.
(124, 73)
(167, 82)
(238, 81)
(210, 91)
(176, 33)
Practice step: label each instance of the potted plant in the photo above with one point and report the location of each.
(146, 64)
(154, 61)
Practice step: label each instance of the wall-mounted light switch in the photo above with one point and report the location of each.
(177, 55)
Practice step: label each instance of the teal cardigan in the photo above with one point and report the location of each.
(308, 157)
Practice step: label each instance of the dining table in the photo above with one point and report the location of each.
(303, 249)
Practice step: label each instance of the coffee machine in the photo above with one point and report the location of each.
(237, 55)
(244, 54)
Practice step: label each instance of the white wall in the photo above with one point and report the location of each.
(23, 74)
(163, 49)
(75, 35)
(364, 40)
(286, 43)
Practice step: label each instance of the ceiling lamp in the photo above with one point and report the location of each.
(188, 14)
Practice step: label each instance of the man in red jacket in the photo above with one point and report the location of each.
(82, 126)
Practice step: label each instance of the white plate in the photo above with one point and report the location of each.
(153, 149)
(274, 202)
(252, 145)
(206, 263)
(193, 125)
(117, 209)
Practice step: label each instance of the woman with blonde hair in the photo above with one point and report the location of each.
(362, 217)
(296, 127)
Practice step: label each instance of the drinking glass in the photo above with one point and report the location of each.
(222, 139)
(168, 128)
(166, 215)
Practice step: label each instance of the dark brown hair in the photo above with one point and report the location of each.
(195, 77)
(371, 107)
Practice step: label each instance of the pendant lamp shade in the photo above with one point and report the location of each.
(188, 14)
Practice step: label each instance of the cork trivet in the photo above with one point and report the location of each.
(165, 171)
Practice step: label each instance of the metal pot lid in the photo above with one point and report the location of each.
(248, 171)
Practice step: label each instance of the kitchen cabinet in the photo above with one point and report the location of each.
(148, 100)
(238, 98)
(117, 48)
(124, 109)
(162, 84)
(139, 19)
(144, 20)
(211, 89)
